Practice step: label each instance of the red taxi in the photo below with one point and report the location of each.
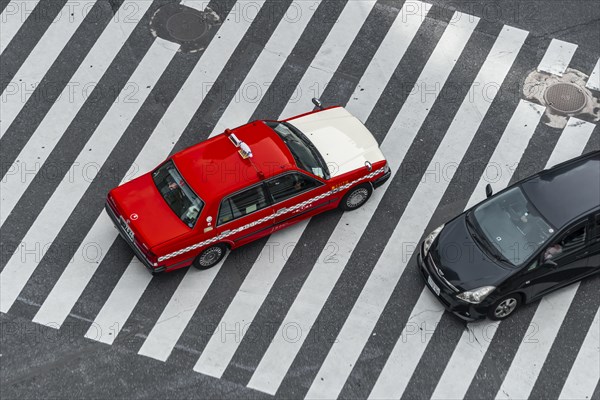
(244, 184)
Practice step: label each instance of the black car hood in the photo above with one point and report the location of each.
(461, 259)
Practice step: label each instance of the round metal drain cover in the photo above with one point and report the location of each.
(565, 98)
(188, 27)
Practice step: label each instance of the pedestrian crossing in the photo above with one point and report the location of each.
(288, 325)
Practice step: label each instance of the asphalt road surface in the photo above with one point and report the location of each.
(96, 93)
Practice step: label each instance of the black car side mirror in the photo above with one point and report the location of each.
(488, 190)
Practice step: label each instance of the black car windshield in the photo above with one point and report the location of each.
(178, 195)
(304, 152)
(513, 226)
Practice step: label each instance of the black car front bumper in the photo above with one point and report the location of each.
(465, 311)
(112, 213)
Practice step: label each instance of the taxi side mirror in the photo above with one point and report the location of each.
(488, 190)
(317, 103)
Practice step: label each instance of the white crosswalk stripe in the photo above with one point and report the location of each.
(552, 309)
(507, 154)
(557, 57)
(12, 19)
(44, 230)
(63, 111)
(329, 56)
(583, 377)
(182, 305)
(322, 279)
(275, 370)
(469, 352)
(387, 271)
(211, 361)
(41, 58)
(168, 130)
(594, 79)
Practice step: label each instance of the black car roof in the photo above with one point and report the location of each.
(566, 191)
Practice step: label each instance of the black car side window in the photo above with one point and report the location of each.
(289, 185)
(571, 242)
(241, 204)
(596, 228)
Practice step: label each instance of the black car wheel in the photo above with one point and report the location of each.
(356, 197)
(210, 256)
(504, 307)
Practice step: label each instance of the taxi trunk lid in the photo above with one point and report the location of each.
(146, 213)
(343, 141)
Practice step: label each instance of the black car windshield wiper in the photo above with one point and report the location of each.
(482, 241)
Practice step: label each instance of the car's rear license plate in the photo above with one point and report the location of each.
(433, 286)
(126, 228)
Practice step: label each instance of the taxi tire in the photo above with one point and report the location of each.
(512, 301)
(212, 254)
(365, 189)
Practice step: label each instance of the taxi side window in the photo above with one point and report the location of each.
(289, 185)
(241, 204)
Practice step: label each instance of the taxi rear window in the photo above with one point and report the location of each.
(178, 195)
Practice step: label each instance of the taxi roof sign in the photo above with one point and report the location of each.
(244, 150)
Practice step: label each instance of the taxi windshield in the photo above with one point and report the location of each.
(513, 226)
(304, 152)
(178, 195)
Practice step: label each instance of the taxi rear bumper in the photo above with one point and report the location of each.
(138, 252)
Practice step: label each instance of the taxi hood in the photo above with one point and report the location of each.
(146, 212)
(343, 141)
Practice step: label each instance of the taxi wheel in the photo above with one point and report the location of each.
(356, 197)
(210, 256)
(505, 307)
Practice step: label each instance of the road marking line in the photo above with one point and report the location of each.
(572, 140)
(179, 311)
(73, 187)
(241, 311)
(552, 309)
(45, 228)
(583, 377)
(388, 56)
(43, 141)
(42, 57)
(121, 301)
(314, 292)
(594, 79)
(529, 359)
(115, 312)
(509, 150)
(328, 58)
(467, 356)
(376, 292)
(182, 305)
(13, 18)
(557, 57)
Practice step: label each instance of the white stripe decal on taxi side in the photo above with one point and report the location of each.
(279, 213)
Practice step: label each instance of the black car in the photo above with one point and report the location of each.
(534, 237)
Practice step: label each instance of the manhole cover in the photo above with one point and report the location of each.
(565, 98)
(187, 26)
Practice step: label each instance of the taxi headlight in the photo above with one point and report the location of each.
(430, 238)
(476, 296)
